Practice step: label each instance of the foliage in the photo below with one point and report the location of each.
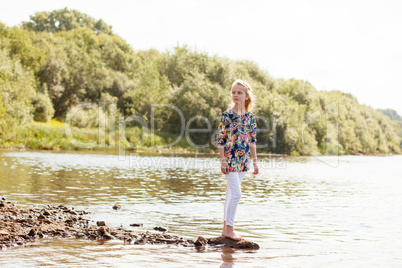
(65, 20)
(69, 66)
(16, 92)
(392, 114)
(149, 88)
(86, 116)
(43, 108)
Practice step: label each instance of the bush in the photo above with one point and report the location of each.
(86, 116)
(43, 108)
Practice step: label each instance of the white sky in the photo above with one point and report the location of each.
(353, 46)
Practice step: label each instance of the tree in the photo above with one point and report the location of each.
(150, 87)
(392, 114)
(65, 20)
(43, 107)
(16, 92)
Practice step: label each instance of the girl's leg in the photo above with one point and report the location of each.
(233, 194)
(228, 195)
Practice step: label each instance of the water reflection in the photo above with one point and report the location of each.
(76, 177)
(227, 257)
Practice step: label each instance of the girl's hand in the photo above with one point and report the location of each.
(224, 167)
(255, 172)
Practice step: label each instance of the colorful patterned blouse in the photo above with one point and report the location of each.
(235, 133)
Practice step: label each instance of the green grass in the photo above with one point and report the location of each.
(56, 135)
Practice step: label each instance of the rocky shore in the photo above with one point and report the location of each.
(19, 226)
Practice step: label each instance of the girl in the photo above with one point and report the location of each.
(236, 137)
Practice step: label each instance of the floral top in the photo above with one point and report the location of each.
(235, 133)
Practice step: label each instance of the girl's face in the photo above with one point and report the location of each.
(239, 95)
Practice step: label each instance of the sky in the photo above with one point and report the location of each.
(353, 46)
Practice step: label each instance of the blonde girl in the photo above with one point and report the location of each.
(236, 138)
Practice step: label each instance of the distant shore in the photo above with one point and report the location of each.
(173, 151)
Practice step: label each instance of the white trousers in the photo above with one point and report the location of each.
(233, 194)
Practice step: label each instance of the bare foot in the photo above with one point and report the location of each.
(232, 235)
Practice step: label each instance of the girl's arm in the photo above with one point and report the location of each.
(253, 147)
(224, 164)
(220, 140)
(253, 150)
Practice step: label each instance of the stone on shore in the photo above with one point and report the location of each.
(160, 229)
(201, 241)
(230, 243)
(137, 225)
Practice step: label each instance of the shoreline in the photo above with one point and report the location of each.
(153, 151)
(19, 226)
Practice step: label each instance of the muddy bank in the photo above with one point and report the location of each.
(19, 226)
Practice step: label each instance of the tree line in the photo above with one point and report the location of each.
(63, 58)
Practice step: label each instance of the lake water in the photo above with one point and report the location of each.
(303, 211)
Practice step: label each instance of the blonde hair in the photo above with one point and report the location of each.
(249, 103)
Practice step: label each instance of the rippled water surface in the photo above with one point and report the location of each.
(303, 212)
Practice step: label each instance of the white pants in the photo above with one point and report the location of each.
(233, 194)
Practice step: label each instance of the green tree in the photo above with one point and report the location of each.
(392, 114)
(43, 108)
(65, 20)
(197, 96)
(17, 87)
(71, 58)
(150, 87)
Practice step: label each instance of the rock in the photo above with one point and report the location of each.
(201, 241)
(46, 213)
(92, 237)
(69, 221)
(140, 241)
(23, 225)
(161, 229)
(80, 235)
(32, 232)
(5, 204)
(116, 206)
(103, 229)
(137, 224)
(4, 232)
(62, 207)
(46, 221)
(106, 235)
(127, 239)
(230, 243)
